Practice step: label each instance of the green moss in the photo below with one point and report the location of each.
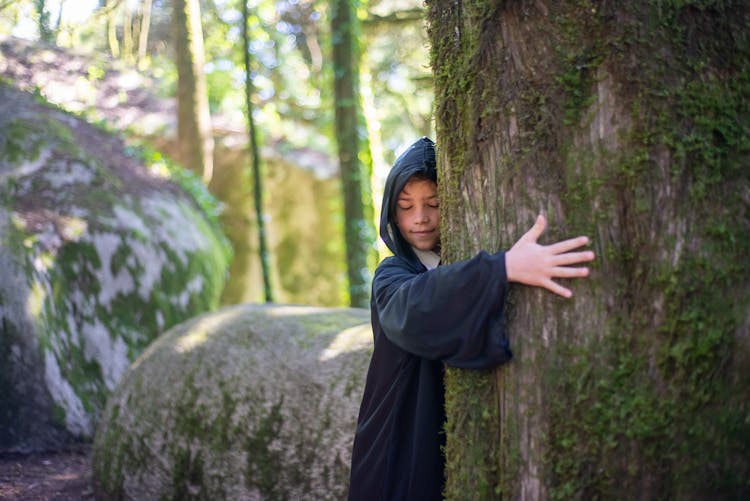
(455, 54)
(474, 396)
(578, 58)
(187, 477)
(665, 390)
(628, 407)
(75, 272)
(23, 139)
(109, 457)
(14, 143)
(264, 464)
(195, 421)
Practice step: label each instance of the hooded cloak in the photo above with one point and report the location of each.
(421, 320)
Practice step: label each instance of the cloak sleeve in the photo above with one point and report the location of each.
(453, 313)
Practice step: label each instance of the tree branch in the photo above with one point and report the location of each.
(396, 17)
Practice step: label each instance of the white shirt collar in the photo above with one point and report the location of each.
(430, 259)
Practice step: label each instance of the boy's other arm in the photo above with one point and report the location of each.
(530, 263)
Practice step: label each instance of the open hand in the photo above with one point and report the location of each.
(530, 263)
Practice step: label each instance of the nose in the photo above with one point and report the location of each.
(422, 216)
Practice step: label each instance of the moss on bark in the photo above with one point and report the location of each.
(629, 123)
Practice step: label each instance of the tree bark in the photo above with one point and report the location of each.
(359, 233)
(628, 122)
(194, 130)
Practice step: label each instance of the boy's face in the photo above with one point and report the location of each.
(418, 214)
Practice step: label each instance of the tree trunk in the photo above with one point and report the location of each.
(194, 131)
(113, 43)
(46, 33)
(255, 156)
(628, 122)
(359, 233)
(128, 38)
(145, 26)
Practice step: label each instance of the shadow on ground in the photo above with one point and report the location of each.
(49, 476)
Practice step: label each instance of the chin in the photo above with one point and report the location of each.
(426, 247)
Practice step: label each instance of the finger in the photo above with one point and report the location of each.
(558, 289)
(572, 258)
(569, 272)
(566, 245)
(536, 231)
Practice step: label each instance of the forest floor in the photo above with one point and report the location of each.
(58, 476)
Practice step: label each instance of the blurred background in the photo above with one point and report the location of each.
(301, 106)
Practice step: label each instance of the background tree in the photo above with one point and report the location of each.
(359, 233)
(46, 30)
(144, 25)
(628, 122)
(110, 8)
(255, 156)
(194, 131)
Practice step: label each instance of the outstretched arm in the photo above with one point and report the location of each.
(530, 263)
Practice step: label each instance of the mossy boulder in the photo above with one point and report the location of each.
(98, 254)
(250, 402)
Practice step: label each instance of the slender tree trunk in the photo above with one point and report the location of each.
(58, 21)
(359, 232)
(255, 156)
(628, 122)
(128, 38)
(46, 34)
(194, 131)
(114, 44)
(143, 33)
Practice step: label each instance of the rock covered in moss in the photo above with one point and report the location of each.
(250, 402)
(98, 255)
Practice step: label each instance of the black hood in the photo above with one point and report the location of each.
(419, 158)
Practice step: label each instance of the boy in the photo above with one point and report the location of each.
(424, 316)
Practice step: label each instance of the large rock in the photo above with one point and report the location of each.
(98, 255)
(250, 402)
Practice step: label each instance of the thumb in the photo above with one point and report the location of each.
(536, 231)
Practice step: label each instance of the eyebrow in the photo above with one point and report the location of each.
(404, 195)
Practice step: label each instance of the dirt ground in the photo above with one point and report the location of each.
(58, 476)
